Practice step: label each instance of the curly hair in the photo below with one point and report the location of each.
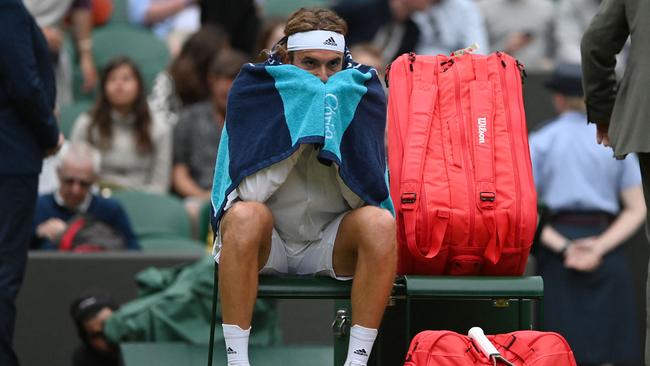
(309, 19)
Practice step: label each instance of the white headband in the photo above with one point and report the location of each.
(316, 40)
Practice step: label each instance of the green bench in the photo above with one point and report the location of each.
(512, 298)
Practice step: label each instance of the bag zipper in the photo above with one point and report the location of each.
(469, 169)
(515, 164)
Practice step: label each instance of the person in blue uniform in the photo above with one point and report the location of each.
(595, 203)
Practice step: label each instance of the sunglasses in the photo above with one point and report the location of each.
(83, 183)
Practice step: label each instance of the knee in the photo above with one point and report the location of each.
(246, 225)
(379, 227)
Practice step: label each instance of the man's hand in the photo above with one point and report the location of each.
(54, 38)
(51, 229)
(58, 146)
(583, 255)
(602, 134)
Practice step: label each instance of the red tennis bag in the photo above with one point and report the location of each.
(460, 170)
(526, 347)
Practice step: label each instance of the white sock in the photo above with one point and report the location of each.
(361, 341)
(236, 344)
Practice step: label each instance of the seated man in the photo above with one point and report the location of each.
(89, 313)
(300, 184)
(77, 172)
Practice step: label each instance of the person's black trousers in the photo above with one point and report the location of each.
(17, 200)
(644, 162)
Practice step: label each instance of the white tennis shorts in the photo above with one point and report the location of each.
(312, 258)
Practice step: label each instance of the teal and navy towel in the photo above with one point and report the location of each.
(274, 108)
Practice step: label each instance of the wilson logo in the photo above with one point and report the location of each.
(482, 129)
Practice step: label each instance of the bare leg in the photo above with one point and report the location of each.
(365, 247)
(246, 243)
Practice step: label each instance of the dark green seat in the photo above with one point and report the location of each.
(69, 114)
(174, 354)
(172, 244)
(155, 215)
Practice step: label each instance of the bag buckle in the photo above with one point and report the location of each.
(487, 196)
(408, 199)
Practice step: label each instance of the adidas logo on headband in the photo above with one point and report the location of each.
(330, 42)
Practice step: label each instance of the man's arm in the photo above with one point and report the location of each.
(82, 25)
(601, 42)
(586, 254)
(184, 184)
(122, 224)
(19, 74)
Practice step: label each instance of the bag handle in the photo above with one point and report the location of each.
(424, 97)
(482, 114)
(483, 343)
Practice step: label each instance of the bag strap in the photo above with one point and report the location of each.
(512, 344)
(482, 114)
(67, 239)
(424, 97)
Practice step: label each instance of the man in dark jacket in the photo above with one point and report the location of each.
(77, 171)
(621, 111)
(28, 132)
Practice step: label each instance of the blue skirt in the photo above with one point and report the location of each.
(594, 311)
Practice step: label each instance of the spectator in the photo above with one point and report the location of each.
(89, 313)
(572, 18)
(28, 132)
(422, 26)
(197, 135)
(77, 172)
(272, 32)
(521, 28)
(367, 54)
(186, 80)
(171, 20)
(50, 16)
(287, 197)
(135, 148)
(620, 111)
(596, 203)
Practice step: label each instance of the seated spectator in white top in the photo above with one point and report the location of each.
(56, 212)
(521, 28)
(171, 20)
(135, 147)
(198, 132)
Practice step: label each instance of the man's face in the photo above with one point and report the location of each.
(75, 180)
(321, 63)
(94, 328)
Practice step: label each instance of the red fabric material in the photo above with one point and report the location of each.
(460, 171)
(68, 237)
(526, 347)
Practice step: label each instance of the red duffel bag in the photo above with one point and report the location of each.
(460, 170)
(526, 347)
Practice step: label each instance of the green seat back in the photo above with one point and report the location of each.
(69, 114)
(154, 215)
(282, 8)
(148, 51)
(120, 13)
